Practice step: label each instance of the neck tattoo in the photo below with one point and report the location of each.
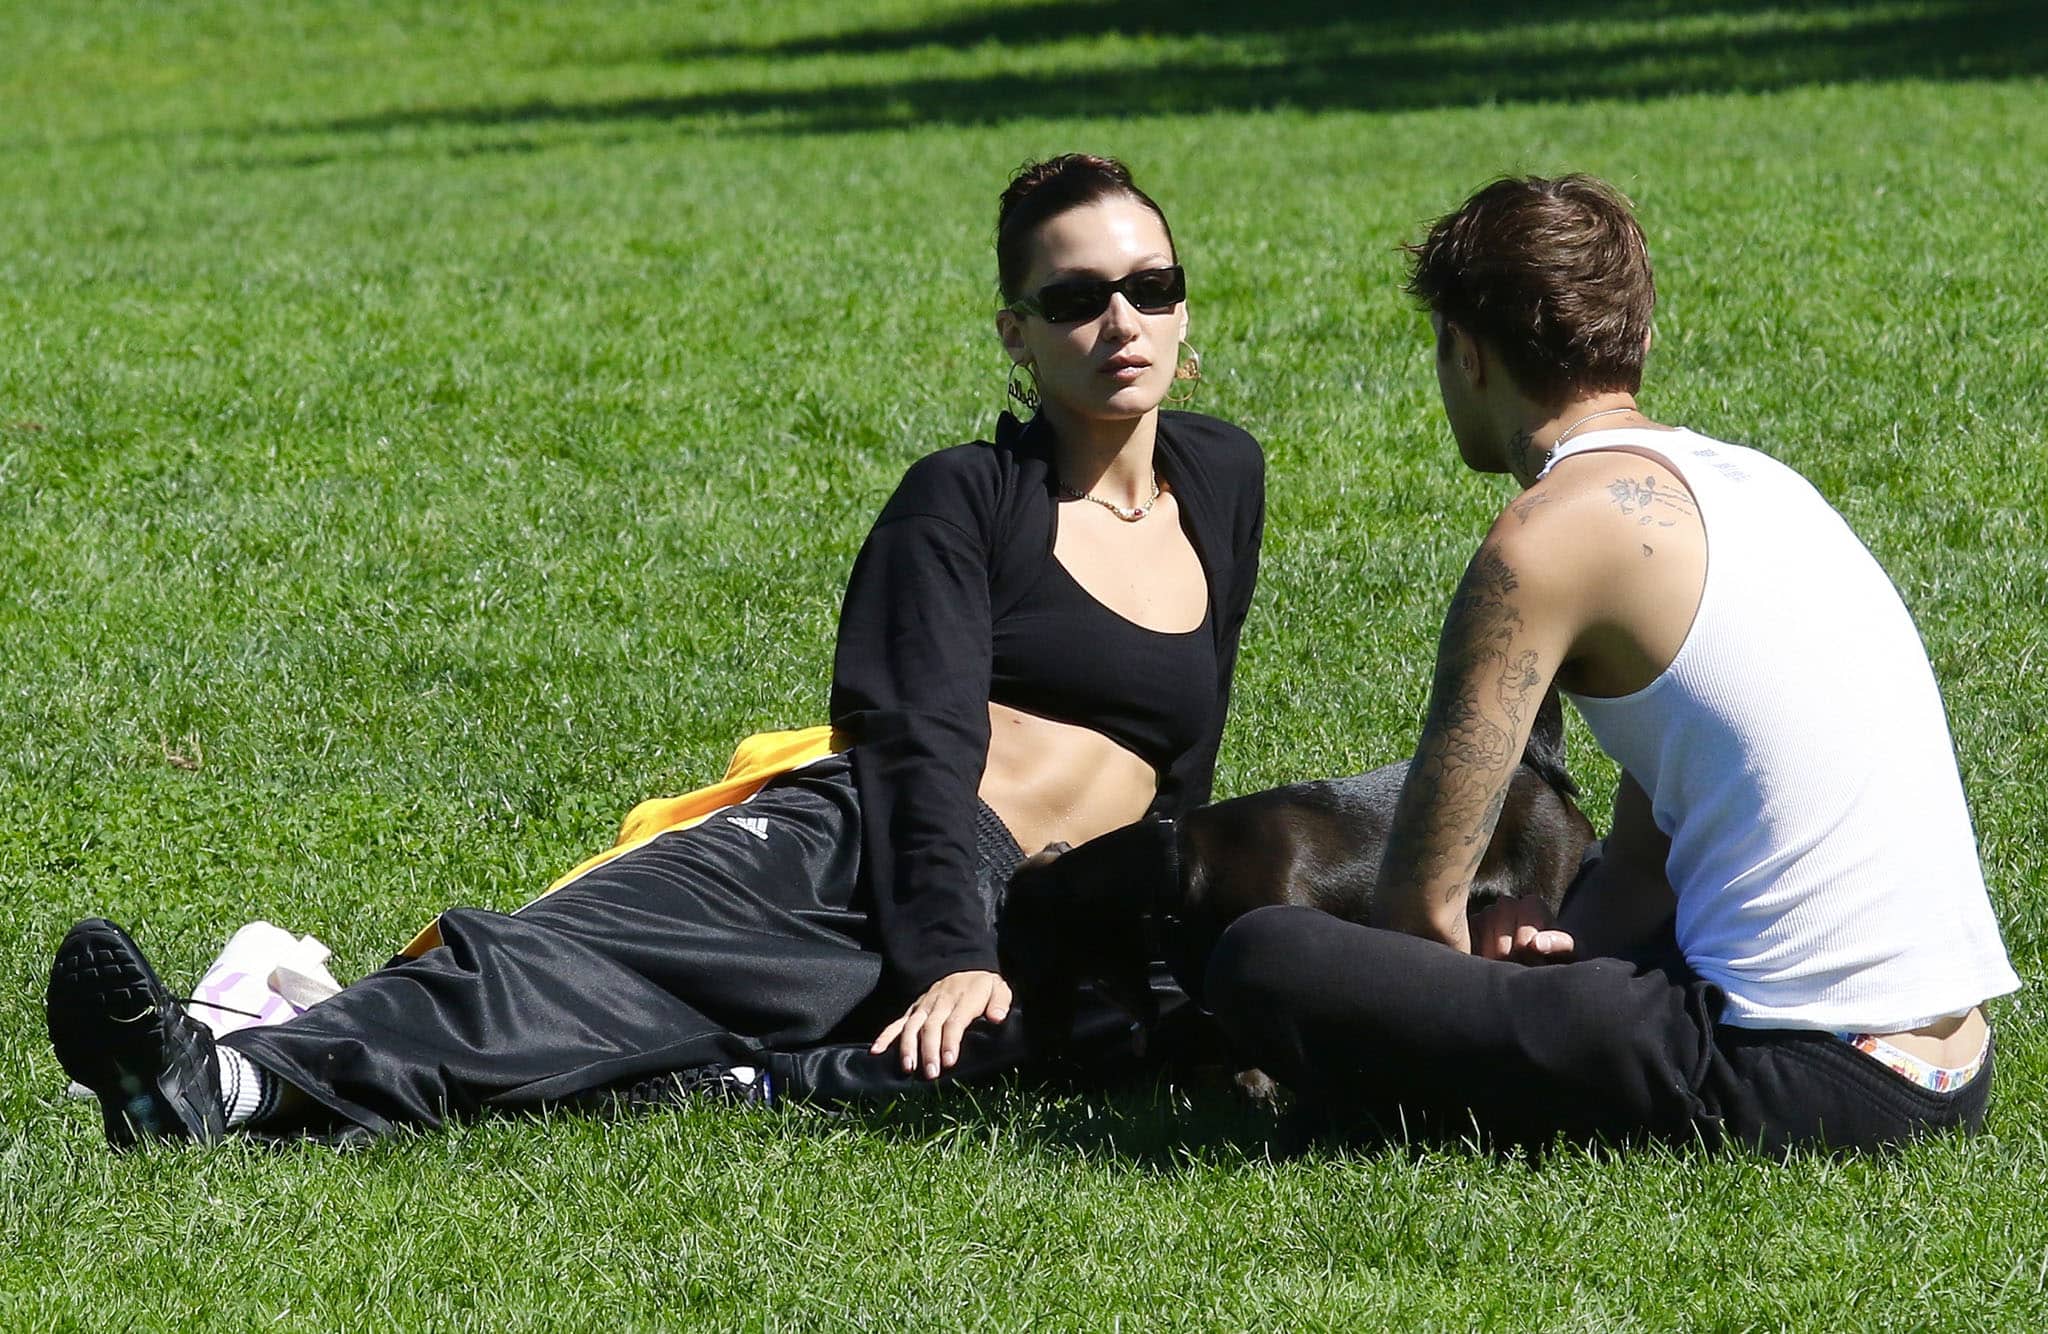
(1566, 433)
(1129, 514)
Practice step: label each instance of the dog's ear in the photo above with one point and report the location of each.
(1046, 855)
(1545, 751)
(1134, 867)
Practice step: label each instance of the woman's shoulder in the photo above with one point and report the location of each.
(974, 463)
(1213, 445)
(965, 482)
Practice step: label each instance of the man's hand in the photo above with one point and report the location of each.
(1626, 894)
(928, 1034)
(1520, 930)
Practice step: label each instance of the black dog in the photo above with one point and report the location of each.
(1167, 889)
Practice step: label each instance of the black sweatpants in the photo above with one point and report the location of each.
(1412, 1037)
(740, 941)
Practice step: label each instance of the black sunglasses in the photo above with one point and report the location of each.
(1150, 290)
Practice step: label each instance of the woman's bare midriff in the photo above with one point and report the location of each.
(1055, 782)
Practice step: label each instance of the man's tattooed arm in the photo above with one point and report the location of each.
(1489, 680)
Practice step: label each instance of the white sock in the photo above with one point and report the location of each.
(242, 1085)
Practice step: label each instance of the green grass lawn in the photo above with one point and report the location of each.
(447, 424)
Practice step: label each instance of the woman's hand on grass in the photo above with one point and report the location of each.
(927, 1037)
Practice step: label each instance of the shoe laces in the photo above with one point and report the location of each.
(189, 1001)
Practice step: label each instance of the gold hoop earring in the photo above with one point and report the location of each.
(1023, 394)
(1187, 371)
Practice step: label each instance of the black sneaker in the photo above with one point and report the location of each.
(121, 1034)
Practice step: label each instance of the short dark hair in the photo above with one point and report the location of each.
(1553, 274)
(1042, 190)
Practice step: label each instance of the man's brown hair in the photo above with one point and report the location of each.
(1553, 274)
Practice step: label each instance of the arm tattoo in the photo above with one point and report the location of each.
(1484, 687)
(1651, 503)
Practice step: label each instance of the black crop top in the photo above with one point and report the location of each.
(1061, 653)
(938, 621)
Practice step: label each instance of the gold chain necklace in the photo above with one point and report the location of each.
(1129, 514)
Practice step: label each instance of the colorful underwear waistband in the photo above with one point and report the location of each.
(1940, 1079)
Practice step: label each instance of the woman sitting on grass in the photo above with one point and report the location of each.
(1036, 646)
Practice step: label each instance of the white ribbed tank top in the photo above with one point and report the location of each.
(1797, 755)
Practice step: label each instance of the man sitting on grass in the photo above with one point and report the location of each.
(1786, 939)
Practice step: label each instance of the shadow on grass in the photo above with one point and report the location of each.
(1320, 55)
(1160, 1129)
(1171, 1130)
(1968, 27)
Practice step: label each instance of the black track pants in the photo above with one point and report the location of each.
(741, 941)
(1412, 1037)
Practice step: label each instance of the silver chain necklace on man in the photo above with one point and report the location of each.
(1566, 433)
(1129, 514)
